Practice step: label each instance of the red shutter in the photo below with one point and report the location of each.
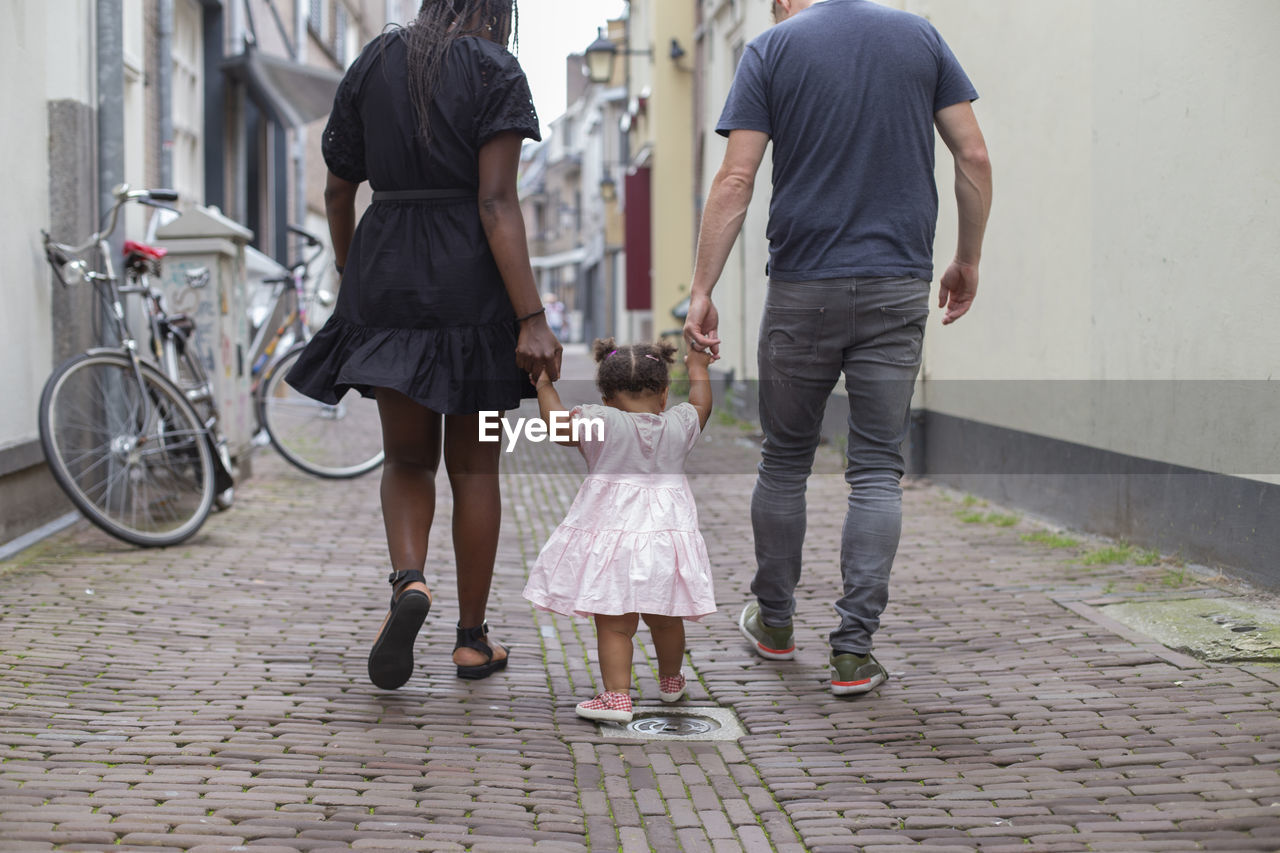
(639, 236)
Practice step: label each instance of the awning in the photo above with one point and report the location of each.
(292, 93)
(562, 259)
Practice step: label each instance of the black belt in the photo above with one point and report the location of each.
(424, 195)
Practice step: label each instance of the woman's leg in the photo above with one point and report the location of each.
(477, 516)
(411, 441)
(613, 641)
(668, 640)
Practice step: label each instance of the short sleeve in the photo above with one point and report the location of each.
(954, 86)
(506, 102)
(690, 423)
(590, 441)
(747, 107)
(343, 142)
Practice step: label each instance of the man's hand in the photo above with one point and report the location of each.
(702, 326)
(956, 290)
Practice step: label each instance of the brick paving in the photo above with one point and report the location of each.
(213, 696)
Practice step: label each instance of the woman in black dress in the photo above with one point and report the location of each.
(438, 316)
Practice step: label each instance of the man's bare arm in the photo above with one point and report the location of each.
(959, 129)
(722, 219)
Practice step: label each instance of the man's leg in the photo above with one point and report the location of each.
(798, 369)
(880, 371)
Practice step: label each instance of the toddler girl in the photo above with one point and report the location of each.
(630, 549)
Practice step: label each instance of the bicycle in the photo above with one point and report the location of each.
(134, 444)
(332, 441)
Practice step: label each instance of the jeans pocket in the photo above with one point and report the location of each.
(789, 338)
(902, 334)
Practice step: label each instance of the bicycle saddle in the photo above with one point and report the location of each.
(151, 253)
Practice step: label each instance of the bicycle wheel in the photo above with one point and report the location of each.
(133, 458)
(336, 442)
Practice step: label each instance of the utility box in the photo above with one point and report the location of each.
(203, 239)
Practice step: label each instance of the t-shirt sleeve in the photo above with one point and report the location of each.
(747, 107)
(506, 102)
(343, 142)
(954, 86)
(690, 423)
(590, 441)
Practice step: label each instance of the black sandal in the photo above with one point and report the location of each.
(476, 638)
(391, 659)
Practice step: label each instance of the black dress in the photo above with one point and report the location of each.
(422, 308)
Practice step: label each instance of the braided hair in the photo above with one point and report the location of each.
(633, 369)
(430, 35)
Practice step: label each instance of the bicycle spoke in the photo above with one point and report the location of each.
(132, 456)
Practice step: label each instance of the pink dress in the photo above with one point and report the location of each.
(630, 542)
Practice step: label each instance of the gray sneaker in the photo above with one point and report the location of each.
(852, 674)
(766, 640)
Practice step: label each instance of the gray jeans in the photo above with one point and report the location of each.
(871, 330)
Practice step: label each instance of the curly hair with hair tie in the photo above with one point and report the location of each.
(430, 34)
(632, 369)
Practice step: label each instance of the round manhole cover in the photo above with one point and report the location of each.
(672, 725)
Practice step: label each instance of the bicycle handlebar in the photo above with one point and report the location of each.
(312, 240)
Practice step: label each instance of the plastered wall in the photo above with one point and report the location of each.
(1131, 266)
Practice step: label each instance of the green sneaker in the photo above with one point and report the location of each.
(766, 640)
(852, 674)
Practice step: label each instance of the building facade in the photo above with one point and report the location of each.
(220, 99)
(573, 194)
(1118, 370)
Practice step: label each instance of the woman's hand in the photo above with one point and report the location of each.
(537, 350)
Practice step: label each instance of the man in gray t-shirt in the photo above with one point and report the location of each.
(849, 92)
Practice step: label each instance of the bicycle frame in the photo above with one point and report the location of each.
(63, 257)
(113, 292)
(293, 292)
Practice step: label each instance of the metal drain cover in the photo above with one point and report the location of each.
(662, 723)
(673, 726)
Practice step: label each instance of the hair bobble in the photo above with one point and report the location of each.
(654, 357)
(612, 353)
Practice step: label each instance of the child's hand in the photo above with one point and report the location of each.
(542, 380)
(697, 358)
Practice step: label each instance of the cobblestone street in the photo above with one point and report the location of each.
(213, 696)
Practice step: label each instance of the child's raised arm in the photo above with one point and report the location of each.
(699, 384)
(549, 404)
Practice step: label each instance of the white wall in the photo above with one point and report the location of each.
(1135, 237)
(739, 296)
(25, 324)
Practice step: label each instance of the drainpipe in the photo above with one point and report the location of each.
(164, 88)
(110, 72)
(299, 134)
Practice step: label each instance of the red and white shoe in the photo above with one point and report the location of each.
(608, 706)
(671, 688)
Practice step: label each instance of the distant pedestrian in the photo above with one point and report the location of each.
(555, 313)
(849, 92)
(629, 548)
(438, 315)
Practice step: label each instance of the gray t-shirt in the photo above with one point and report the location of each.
(847, 90)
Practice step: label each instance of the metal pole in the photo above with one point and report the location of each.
(164, 88)
(299, 134)
(110, 68)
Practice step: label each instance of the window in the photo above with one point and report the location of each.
(340, 35)
(315, 18)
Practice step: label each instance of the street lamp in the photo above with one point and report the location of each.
(597, 60)
(608, 189)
